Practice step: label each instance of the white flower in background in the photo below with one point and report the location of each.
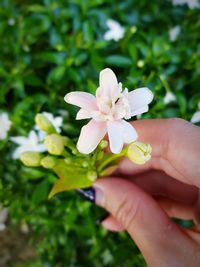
(174, 33)
(3, 218)
(30, 143)
(196, 116)
(5, 125)
(107, 111)
(115, 32)
(191, 3)
(169, 97)
(56, 121)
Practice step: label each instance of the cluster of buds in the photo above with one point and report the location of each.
(74, 169)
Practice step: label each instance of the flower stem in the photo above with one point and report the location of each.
(109, 160)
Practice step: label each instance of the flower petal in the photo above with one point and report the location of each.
(108, 83)
(83, 114)
(196, 117)
(139, 111)
(139, 99)
(20, 140)
(90, 136)
(115, 136)
(18, 151)
(120, 132)
(129, 132)
(81, 99)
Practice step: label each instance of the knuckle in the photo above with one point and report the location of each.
(126, 212)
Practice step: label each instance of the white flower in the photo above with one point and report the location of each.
(196, 116)
(191, 3)
(169, 97)
(56, 121)
(174, 33)
(3, 218)
(5, 125)
(30, 143)
(107, 111)
(115, 32)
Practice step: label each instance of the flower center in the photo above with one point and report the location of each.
(114, 108)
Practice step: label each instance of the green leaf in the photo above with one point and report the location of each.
(118, 60)
(69, 178)
(41, 192)
(56, 74)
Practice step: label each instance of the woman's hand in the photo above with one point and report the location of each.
(141, 199)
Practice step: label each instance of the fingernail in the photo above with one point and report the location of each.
(87, 193)
(102, 218)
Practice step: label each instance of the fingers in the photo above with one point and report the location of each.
(176, 209)
(176, 147)
(111, 224)
(171, 208)
(158, 183)
(142, 217)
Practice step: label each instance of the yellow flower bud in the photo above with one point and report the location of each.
(31, 159)
(139, 152)
(55, 144)
(44, 124)
(48, 162)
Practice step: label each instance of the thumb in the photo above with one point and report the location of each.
(145, 221)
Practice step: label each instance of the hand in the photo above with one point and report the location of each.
(142, 199)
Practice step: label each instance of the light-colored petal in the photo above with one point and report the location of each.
(18, 151)
(115, 136)
(90, 136)
(196, 117)
(120, 133)
(40, 148)
(33, 138)
(169, 97)
(81, 99)
(139, 111)
(20, 140)
(129, 132)
(108, 83)
(83, 114)
(139, 99)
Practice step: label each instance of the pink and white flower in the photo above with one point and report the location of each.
(107, 112)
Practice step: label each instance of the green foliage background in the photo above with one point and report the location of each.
(51, 47)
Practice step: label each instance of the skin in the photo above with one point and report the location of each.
(142, 199)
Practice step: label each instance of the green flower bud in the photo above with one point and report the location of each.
(44, 124)
(92, 175)
(54, 144)
(48, 162)
(139, 152)
(31, 159)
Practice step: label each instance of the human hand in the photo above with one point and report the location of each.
(141, 199)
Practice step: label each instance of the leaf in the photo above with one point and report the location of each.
(40, 193)
(118, 60)
(69, 178)
(56, 74)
